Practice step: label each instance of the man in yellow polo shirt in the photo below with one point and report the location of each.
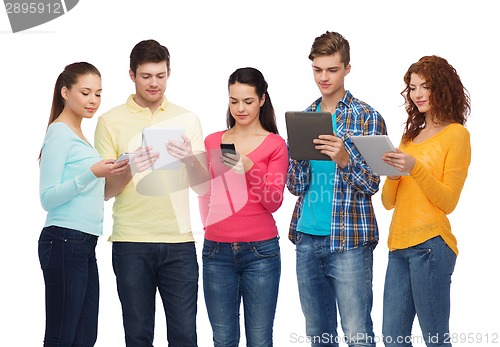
(153, 245)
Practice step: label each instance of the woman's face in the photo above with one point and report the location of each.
(419, 93)
(84, 97)
(244, 103)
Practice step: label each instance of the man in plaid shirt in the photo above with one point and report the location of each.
(333, 225)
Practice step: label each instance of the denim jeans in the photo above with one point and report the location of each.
(241, 270)
(330, 280)
(141, 268)
(418, 282)
(67, 258)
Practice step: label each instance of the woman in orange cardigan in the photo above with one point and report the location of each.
(435, 151)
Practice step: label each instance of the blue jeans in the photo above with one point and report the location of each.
(141, 268)
(241, 270)
(330, 280)
(418, 282)
(69, 265)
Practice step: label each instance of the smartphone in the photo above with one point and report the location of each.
(227, 148)
(124, 156)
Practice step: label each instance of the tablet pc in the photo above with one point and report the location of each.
(158, 139)
(302, 128)
(372, 147)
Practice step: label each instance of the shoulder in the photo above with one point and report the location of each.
(276, 139)
(456, 132)
(214, 138)
(174, 109)
(58, 131)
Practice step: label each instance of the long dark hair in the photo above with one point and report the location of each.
(253, 77)
(67, 79)
(448, 98)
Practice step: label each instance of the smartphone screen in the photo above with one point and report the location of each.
(227, 148)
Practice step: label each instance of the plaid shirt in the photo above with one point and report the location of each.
(353, 222)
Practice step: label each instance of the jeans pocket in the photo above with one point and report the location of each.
(208, 249)
(267, 249)
(44, 251)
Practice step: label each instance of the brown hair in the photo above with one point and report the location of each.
(330, 43)
(67, 79)
(448, 98)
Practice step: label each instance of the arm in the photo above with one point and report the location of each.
(297, 177)
(357, 173)
(389, 193)
(445, 192)
(267, 185)
(53, 191)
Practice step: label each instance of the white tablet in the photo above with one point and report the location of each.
(372, 147)
(302, 128)
(158, 139)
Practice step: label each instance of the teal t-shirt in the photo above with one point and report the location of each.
(316, 215)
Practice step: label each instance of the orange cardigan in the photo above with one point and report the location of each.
(422, 200)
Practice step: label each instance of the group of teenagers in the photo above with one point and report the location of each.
(153, 248)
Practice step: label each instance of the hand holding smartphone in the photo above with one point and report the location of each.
(227, 148)
(124, 156)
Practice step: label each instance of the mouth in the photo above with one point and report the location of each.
(90, 109)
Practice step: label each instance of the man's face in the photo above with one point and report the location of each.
(150, 83)
(329, 73)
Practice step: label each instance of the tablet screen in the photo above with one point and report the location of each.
(302, 128)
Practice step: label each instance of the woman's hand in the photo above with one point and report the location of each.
(400, 160)
(239, 163)
(108, 167)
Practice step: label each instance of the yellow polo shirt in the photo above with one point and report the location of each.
(422, 200)
(154, 206)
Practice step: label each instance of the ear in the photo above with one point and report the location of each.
(347, 69)
(262, 100)
(64, 93)
(132, 75)
(168, 73)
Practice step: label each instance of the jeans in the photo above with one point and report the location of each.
(418, 282)
(330, 280)
(241, 270)
(67, 258)
(140, 269)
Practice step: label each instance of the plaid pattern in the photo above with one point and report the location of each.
(353, 222)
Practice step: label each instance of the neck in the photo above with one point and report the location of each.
(329, 102)
(70, 119)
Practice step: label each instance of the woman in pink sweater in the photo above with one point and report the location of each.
(435, 150)
(241, 254)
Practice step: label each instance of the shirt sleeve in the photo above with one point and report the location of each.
(357, 173)
(53, 191)
(268, 184)
(445, 193)
(103, 141)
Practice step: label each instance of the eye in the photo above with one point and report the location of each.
(85, 93)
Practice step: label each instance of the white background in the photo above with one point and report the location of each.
(208, 41)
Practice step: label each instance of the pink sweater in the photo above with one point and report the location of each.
(239, 207)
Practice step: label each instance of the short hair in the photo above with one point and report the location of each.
(148, 51)
(330, 43)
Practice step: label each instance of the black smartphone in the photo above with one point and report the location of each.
(227, 148)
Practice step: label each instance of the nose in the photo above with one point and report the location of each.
(324, 75)
(154, 81)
